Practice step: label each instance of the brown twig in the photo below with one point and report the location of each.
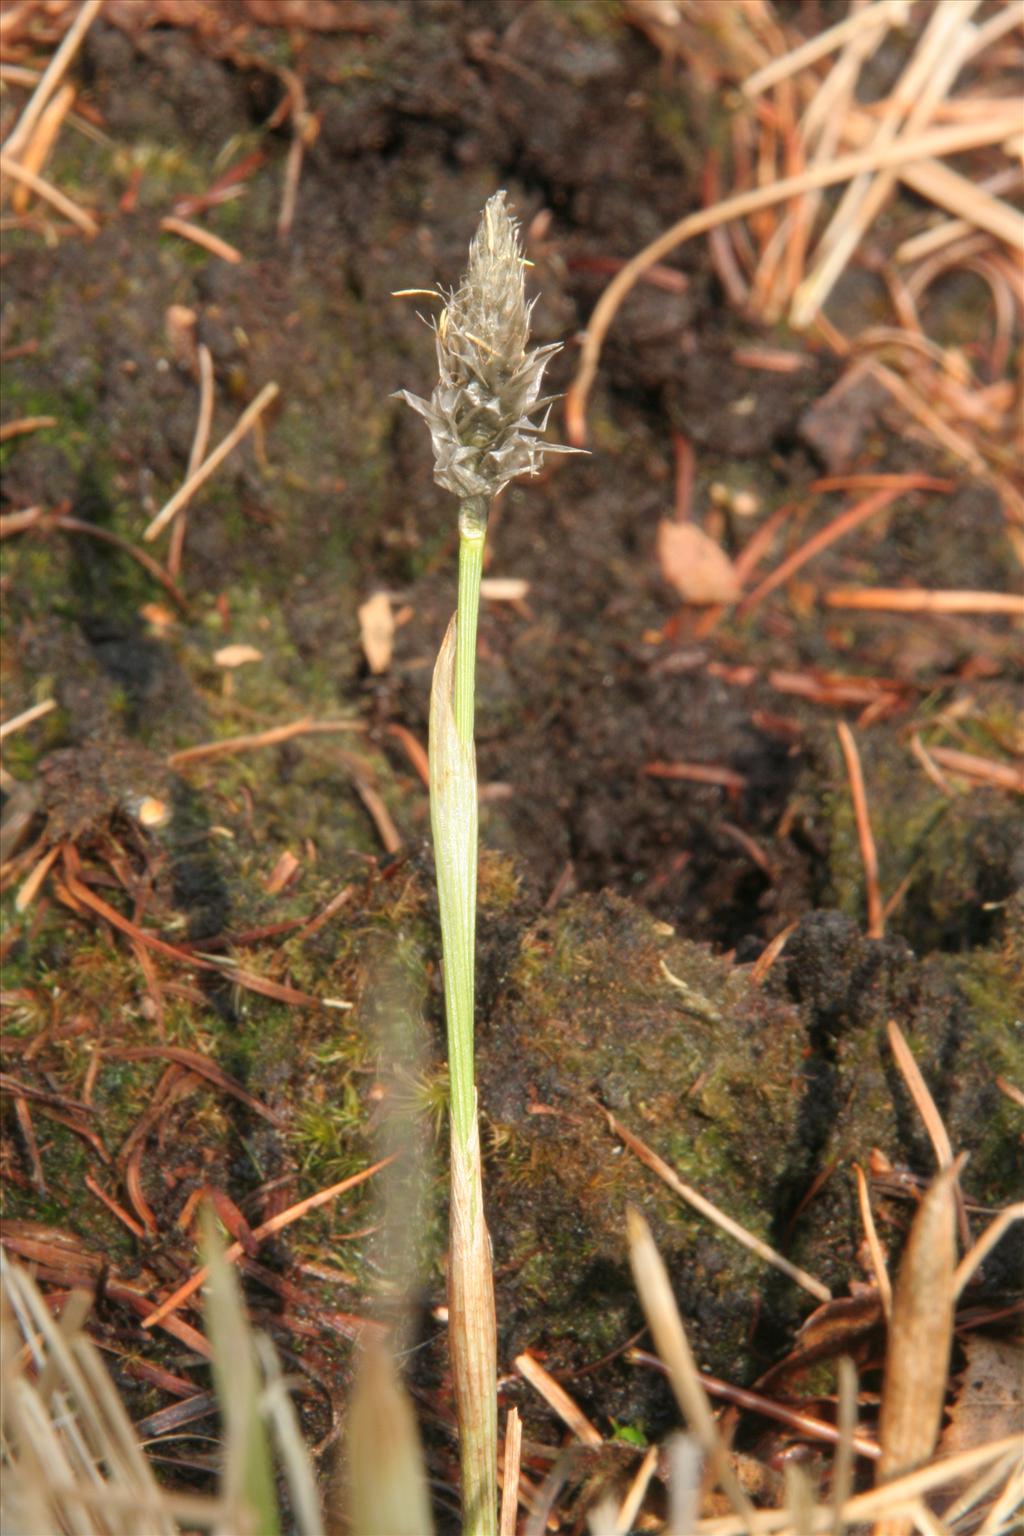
(757, 1402)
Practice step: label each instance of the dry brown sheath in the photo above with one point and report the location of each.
(472, 1333)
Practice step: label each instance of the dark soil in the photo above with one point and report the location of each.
(595, 871)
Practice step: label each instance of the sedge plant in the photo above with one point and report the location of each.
(483, 419)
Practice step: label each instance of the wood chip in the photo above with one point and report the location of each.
(231, 656)
(377, 631)
(691, 562)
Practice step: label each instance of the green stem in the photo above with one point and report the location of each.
(472, 535)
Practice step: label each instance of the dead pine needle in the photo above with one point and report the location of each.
(929, 1112)
(877, 1252)
(265, 1229)
(636, 1493)
(185, 493)
(269, 738)
(971, 766)
(845, 523)
(993, 1234)
(200, 443)
(201, 237)
(918, 600)
(25, 425)
(749, 1240)
(49, 193)
(865, 837)
(558, 1399)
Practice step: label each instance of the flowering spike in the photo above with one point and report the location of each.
(489, 385)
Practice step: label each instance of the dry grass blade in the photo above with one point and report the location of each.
(387, 1485)
(918, 146)
(900, 1496)
(1005, 1513)
(749, 1240)
(684, 1464)
(558, 1399)
(659, 1304)
(70, 1456)
(846, 1423)
(940, 52)
(1007, 1473)
(926, 1106)
(54, 73)
(637, 1491)
(865, 836)
(884, 13)
(928, 1110)
(920, 1338)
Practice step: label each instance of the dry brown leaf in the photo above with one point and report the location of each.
(920, 1337)
(990, 1400)
(695, 565)
(377, 630)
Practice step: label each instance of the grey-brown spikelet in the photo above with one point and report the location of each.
(489, 384)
